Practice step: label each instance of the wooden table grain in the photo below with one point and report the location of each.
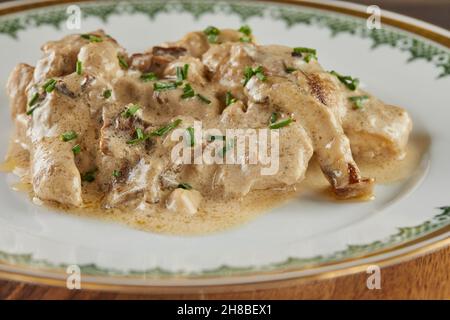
(426, 277)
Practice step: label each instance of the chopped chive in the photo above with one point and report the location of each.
(273, 117)
(298, 51)
(163, 130)
(107, 94)
(139, 133)
(289, 69)
(49, 85)
(79, 67)
(359, 101)
(140, 136)
(229, 99)
(68, 135)
(116, 173)
(122, 62)
(182, 72)
(190, 130)
(160, 86)
(348, 81)
(185, 186)
(203, 98)
(32, 104)
(281, 124)
(31, 110)
(245, 29)
(150, 76)
(89, 176)
(131, 111)
(249, 73)
(188, 92)
(33, 99)
(261, 76)
(306, 53)
(76, 149)
(92, 37)
(212, 34)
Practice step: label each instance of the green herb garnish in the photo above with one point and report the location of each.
(150, 76)
(68, 135)
(140, 136)
(116, 173)
(229, 99)
(49, 85)
(203, 98)
(122, 62)
(33, 99)
(185, 186)
(212, 34)
(188, 92)
(92, 37)
(250, 72)
(190, 131)
(350, 83)
(306, 53)
(281, 124)
(182, 72)
(79, 67)
(89, 176)
(131, 111)
(76, 149)
(32, 104)
(163, 130)
(107, 94)
(247, 31)
(289, 69)
(359, 101)
(299, 51)
(161, 86)
(273, 117)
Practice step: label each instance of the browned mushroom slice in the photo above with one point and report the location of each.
(330, 143)
(141, 61)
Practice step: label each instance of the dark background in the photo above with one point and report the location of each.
(434, 11)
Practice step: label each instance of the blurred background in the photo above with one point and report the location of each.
(433, 11)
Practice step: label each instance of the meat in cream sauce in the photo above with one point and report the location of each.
(92, 124)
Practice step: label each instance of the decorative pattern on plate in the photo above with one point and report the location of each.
(403, 235)
(292, 15)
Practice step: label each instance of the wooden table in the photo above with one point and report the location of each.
(426, 277)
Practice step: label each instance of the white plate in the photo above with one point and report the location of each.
(306, 237)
